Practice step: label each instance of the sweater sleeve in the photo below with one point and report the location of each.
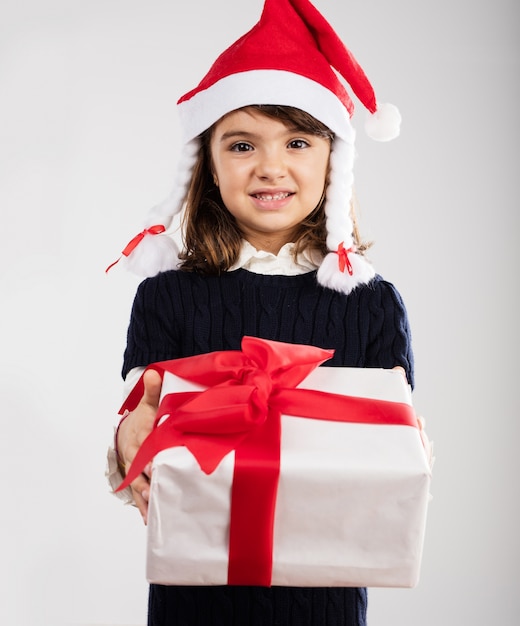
(390, 340)
(153, 334)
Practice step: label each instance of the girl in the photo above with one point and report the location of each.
(270, 250)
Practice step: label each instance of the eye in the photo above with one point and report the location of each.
(241, 146)
(298, 144)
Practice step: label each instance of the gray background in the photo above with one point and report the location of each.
(88, 142)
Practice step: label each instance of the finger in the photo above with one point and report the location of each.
(140, 483)
(141, 492)
(145, 476)
(148, 471)
(152, 388)
(129, 457)
(400, 369)
(141, 501)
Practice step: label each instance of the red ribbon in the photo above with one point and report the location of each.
(133, 243)
(344, 261)
(247, 392)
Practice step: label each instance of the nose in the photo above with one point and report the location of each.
(271, 165)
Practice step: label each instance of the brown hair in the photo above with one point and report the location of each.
(212, 238)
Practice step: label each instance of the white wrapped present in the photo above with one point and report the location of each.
(344, 498)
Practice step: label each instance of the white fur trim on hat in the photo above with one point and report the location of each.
(263, 87)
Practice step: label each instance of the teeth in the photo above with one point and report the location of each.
(277, 196)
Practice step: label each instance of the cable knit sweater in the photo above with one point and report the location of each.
(178, 314)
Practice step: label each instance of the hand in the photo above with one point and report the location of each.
(133, 430)
(398, 368)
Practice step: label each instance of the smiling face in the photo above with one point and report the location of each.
(270, 176)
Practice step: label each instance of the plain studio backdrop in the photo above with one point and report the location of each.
(89, 142)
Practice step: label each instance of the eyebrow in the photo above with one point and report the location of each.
(230, 134)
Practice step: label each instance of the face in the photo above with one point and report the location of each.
(270, 176)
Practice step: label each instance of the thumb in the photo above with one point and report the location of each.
(152, 388)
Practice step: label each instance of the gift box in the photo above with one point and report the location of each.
(270, 470)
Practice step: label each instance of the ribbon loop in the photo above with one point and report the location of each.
(135, 241)
(343, 260)
(217, 411)
(262, 386)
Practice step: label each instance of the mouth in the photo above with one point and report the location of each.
(270, 197)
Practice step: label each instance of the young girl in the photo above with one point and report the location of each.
(270, 250)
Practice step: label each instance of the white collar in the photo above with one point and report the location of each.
(262, 262)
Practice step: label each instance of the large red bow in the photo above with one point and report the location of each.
(246, 393)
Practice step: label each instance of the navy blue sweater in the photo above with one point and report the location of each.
(178, 314)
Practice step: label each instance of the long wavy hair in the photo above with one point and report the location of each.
(212, 238)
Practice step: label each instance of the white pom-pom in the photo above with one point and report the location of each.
(154, 254)
(384, 124)
(329, 274)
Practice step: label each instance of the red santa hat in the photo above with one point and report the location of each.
(291, 57)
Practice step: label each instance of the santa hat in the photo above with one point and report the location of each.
(291, 57)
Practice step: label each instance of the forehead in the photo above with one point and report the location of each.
(247, 119)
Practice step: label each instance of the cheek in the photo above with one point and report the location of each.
(217, 163)
(318, 174)
(320, 167)
(227, 170)
(233, 176)
(231, 188)
(227, 181)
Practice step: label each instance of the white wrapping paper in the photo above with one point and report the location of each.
(351, 504)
